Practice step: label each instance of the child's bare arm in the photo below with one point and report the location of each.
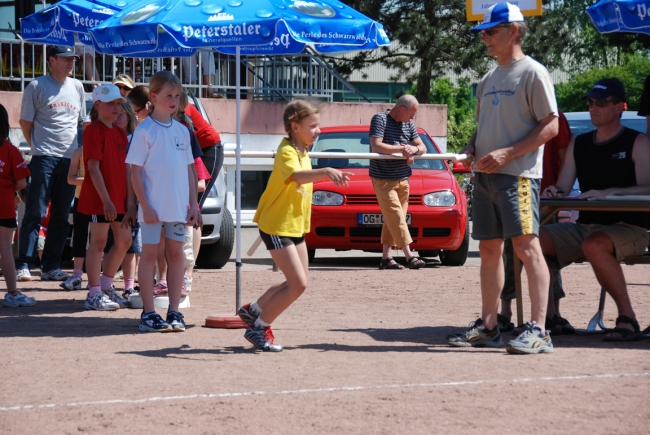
(20, 184)
(201, 186)
(309, 176)
(192, 178)
(73, 171)
(131, 215)
(149, 213)
(110, 212)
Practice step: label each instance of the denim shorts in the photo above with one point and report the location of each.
(504, 206)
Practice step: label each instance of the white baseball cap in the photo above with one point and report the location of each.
(107, 93)
(499, 13)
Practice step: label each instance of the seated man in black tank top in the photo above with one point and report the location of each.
(613, 160)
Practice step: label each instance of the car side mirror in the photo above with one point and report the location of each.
(460, 168)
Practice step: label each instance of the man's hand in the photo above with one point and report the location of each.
(109, 211)
(595, 194)
(493, 161)
(409, 150)
(469, 150)
(553, 192)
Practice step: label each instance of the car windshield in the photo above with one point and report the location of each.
(581, 126)
(359, 142)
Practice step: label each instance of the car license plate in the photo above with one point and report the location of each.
(376, 219)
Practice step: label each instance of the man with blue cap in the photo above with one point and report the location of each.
(516, 113)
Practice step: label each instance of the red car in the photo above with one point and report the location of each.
(350, 218)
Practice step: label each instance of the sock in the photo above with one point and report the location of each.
(93, 290)
(260, 324)
(106, 282)
(78, 273)
(129, 283)
(255, 309)
(163, 282)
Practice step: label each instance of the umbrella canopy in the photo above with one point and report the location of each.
(263, 26)
(621, 16)
(67, 20)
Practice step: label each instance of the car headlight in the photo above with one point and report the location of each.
(440, 199)
(213, 192)
(323, 197)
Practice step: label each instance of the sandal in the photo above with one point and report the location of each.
(558, 325)
(505, 325)
(624, 333)
(415, 263)
(386, 264)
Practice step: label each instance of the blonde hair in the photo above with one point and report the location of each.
(181, 116)
(296, 111)
(132, 118)
(159, 80)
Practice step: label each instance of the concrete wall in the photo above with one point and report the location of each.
(265, 118)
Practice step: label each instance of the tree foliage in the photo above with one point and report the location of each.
(434, 40)
(632, 73)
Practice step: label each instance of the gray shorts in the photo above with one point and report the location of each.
(151, 232)
(504, 206)
(567, 238)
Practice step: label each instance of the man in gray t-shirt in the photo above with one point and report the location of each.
(52, 107)
(516, 114)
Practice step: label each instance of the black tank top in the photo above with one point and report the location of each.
(605, 165)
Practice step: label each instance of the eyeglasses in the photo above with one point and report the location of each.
(601, 103)
(124, 88)
(493, 30)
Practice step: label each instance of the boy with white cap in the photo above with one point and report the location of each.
(516, 113)
(104, 197)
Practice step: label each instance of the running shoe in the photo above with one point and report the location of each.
(160, 289)
(176, 320)
(100, 302)
(152, 322)
(247, 315)
(531, 341)
(113, 296)
(262, 339)
(18, 300)
(188, 282)
(128, 292)
(476, 336)
(72, 283)
(54, 275)
(23, 275)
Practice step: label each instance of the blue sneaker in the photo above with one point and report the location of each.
(176, 320)
(152, 322)
(247, 315)
(262, 339)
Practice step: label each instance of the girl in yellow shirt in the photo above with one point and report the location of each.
(283, 217)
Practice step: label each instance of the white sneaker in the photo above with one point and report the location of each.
(72, 283)
(19, 300)
(113, 296)
(54, 275)
(188, 283)
(100, 302)
(23, 275)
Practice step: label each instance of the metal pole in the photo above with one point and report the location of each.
(238, 263)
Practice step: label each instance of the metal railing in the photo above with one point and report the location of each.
(270, 78)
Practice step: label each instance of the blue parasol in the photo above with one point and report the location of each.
(60, 23)
(630, 16)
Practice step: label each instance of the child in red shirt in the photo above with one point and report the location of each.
(13, 174)
(104, 197)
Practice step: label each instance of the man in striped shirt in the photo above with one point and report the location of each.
(393, 132)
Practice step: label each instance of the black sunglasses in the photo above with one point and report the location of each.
(125, 88)
(601, 103)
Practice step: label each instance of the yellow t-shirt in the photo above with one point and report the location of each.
(285, 208)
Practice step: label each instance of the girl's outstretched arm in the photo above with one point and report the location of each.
(309, 176)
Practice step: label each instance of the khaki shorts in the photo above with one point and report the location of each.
(567, 238)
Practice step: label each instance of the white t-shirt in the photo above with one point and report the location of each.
(164, 152)
(511, 100)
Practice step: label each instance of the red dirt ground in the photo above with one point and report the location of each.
(364, 354)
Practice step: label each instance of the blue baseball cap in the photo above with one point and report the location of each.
(604, 88)
(499, 13)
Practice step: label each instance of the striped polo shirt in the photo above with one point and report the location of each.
(391, 132)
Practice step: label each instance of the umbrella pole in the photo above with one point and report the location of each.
(238, 179)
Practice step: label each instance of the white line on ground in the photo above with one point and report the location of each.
(323, 390)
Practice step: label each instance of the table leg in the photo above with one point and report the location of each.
(520, 304)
